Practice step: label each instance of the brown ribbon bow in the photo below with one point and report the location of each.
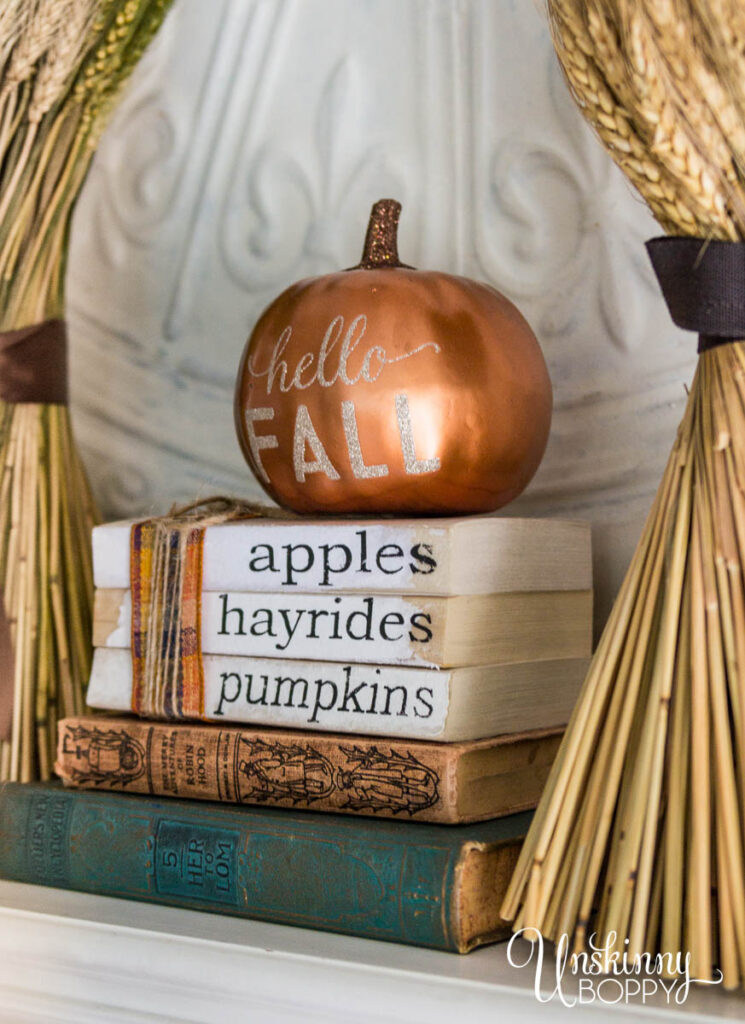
(33, 364)
(33, 368)
(703, 283)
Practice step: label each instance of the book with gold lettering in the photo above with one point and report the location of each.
(394, 880)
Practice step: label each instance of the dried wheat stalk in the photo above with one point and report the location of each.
(643, 816)
(62, 65)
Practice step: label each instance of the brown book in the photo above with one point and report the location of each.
(417, 781)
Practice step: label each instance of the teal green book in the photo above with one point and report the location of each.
(425, 885)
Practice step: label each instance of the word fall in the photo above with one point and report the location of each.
(305, 438)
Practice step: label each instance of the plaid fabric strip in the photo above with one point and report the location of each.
(142, 537)
(192, 670)
(166, 587)
(165, 667)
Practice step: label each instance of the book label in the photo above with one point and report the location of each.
(197, 862)
(48, 826)
(294, 627)
(331, 697)
(391, 630)
(300, 558)
(335, 697)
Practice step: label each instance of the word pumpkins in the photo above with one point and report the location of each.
(389, 389)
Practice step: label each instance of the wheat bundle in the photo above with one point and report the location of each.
(641, 828)
(62, 64)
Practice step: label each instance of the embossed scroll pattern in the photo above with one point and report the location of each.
(246, 155)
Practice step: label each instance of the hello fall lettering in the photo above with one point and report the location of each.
(331, 364)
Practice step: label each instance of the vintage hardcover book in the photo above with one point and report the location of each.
(481, 629)
(450, 784)
(468, 555)
(375, 700)
(404, 882)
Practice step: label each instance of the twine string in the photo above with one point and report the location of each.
(166, 558)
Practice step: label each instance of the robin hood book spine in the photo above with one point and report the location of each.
(411, 781)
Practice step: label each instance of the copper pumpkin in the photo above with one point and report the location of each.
(385, 389)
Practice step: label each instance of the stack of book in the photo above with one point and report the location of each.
(416, 670)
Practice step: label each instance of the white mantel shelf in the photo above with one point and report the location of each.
(73, 957)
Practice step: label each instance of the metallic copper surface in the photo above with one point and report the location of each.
(392, 390)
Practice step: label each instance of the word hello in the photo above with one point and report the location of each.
(320, 368)
(295, 561)
(285, 624)
(321, 695)
(315, 368)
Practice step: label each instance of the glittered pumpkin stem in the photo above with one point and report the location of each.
(381, 241)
